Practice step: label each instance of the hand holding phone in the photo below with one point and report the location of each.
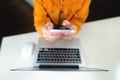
(66, 30)
(70, 26)
(47, 35)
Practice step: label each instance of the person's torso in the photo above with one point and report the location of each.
(59, 10)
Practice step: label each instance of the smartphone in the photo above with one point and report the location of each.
(61, 29)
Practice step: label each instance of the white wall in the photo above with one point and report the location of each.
(30, 2)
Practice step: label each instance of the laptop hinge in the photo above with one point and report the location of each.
(59, 67)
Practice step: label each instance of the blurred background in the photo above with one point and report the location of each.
(16, 16)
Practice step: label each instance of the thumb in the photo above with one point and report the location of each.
(66, 23)
(49, 25)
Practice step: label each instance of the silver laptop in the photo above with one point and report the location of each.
(61, 55)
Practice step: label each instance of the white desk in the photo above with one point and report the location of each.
(100, 42)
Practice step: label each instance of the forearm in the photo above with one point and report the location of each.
(80, 16)
(40, 16)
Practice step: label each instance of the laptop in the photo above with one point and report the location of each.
(61, 55)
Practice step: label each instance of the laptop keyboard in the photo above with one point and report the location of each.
(59, 55)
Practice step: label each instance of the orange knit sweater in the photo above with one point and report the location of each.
(75, 11)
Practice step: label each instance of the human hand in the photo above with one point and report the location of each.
(50, 36)
(69, 35)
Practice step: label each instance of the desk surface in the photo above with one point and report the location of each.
(100, 41)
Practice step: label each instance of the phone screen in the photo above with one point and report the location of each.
(61, 28)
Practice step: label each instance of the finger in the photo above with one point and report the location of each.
(51, 38)
(66, 33)
(46, 36)
(68, 36)
(69, 33)
(56, 36)
(57, 33)
(45, 31)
